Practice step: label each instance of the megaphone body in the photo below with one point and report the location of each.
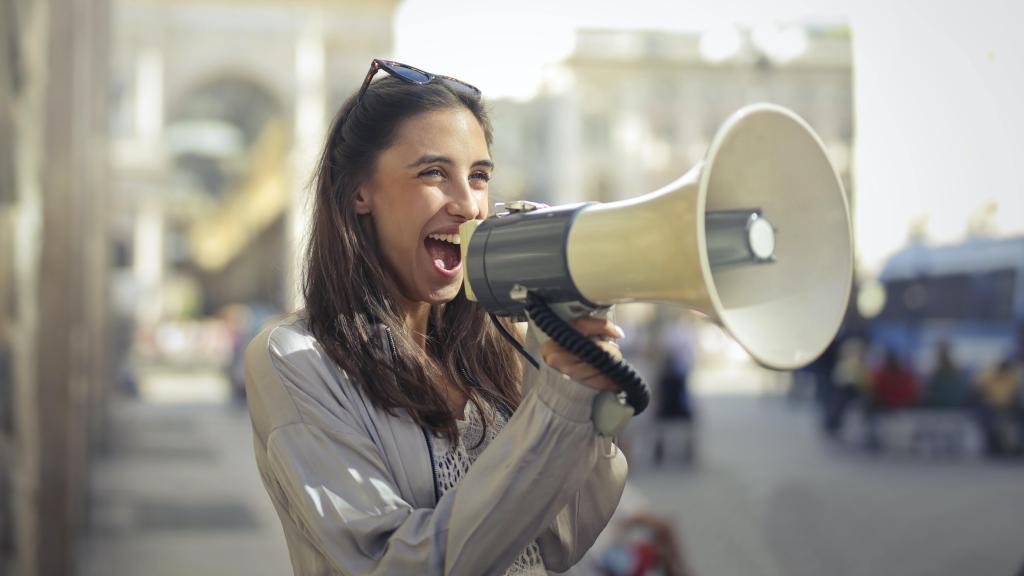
(756, 237)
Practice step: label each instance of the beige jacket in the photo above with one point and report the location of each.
(354, 489)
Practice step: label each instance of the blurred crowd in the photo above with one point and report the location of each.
(201, 343)
(990, 397)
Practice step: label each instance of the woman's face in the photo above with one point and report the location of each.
(432, 178)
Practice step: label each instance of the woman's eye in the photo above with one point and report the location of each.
(481, 176)
(432, 172)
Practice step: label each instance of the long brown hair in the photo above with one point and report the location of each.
(350, 297)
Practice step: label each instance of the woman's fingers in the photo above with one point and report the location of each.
(558, 357)
(593, 326)
(569, 364)
(553, 352)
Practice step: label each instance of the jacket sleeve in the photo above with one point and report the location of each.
(573, 531)
(341, 493)
(581, 521)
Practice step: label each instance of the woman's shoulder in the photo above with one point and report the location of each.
(282, 344)
(290, 379)
(284, 334)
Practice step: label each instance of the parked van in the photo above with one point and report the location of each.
(970, 295)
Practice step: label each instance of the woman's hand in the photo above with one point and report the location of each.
(565, 362)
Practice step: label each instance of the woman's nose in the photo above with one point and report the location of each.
(463, 202)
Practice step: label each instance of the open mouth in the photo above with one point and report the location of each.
(444, 252)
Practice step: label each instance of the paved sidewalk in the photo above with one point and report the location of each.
(179, 494)
(771, 497)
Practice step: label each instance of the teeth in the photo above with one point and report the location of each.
(450, 238)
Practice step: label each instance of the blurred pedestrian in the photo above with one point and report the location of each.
(947, 386)
(893, 386)
(999, 405)
(815, 378)
(238, 321)
(640, 344)
(852, 382)
(1018, 357)
(674, 410)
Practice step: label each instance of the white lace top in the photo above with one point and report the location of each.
(451, 462)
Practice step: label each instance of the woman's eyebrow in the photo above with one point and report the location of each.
(437, 159)
(431, 159)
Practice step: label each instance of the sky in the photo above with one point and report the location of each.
(939, 131)
(503, 45)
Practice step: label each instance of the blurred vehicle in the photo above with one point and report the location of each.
(970, 295)
(949, 315)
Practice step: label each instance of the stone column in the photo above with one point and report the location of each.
(309, 131)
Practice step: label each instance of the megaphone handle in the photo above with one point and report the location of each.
(635, 389)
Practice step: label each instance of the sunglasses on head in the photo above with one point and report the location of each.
(414, 76)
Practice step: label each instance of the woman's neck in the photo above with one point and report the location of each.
(416, 316)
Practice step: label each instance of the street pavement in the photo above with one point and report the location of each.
(770, 496)
(178, 493)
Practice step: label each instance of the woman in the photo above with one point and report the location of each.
(369, 406)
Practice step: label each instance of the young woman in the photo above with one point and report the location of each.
(395, 430)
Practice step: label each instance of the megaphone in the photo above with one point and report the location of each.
(756, 237)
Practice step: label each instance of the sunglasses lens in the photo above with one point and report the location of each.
(411, 75)
(461, 87)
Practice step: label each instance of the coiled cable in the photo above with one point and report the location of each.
(637, 393)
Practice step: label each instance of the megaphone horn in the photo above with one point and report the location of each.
(756, 237)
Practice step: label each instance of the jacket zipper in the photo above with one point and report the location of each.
(426, 434)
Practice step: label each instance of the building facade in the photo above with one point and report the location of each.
(629, 111)
(154, 157)
(218, 113)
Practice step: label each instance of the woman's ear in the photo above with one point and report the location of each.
(363, 204)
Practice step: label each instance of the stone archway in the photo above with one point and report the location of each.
(229, 143)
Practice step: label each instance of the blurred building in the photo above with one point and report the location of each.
(218, 112)
(54, 272)
(154, 157)
(629, 111)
